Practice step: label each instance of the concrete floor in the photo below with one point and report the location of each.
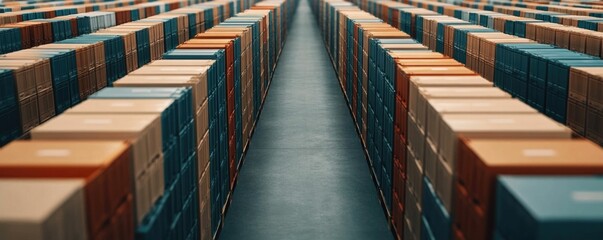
(305, 175)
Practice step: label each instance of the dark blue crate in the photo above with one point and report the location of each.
(440, 34)
(387, 158)
(64, 76)
(216, 218)
(426, 232)
(519, 89)
(176, 228)
(155, 226)
(386, 188)
(589, 24)
(188, 175)
(10, 124)
(560, 68)
(11, 39)
(377, 167)
(536, 97)
(187, 142)
(177, 197)
(114, 55)
(171, 165)
(8, 94)
(187, 215)
(556, 104)
(435, 213)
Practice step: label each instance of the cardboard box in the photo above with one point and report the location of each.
(170, 76)
(142, 131)
(475, 91)
(42, 208)
(474, 126)
(443, 106)
(483, 160)
(104, 166)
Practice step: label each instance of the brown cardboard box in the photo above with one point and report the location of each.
(437, 107)
(103, 165)
(406, 73)
(123, 106)
(168, 76)
(130, 46)
(202, 121)
(412, 217)
(42, 208)
(473, 91)
(475, 126)
(440, 81)
(86, 65)
(143, 131)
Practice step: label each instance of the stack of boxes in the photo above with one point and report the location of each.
(171, 180)
(33, 86)
(144, 133)
(447, 105)
(102, 171)
(480, 162)
(235, 92)
(168, 217)
(218, 146)
(575, 203)
(43, 208)
(193, 74)
(554, 80)
(52, 77)
(10, 120)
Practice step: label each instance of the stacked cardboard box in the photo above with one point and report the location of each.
(102, 167)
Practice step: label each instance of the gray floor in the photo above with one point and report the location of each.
(305, 175)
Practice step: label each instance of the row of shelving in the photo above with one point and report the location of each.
(159, 151)
(13, 6)
(44, 81)
(452, 155)
(573, 32)
(558, 82)
(27, 34)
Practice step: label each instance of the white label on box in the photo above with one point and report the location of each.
(588, 196)
(98, 121)
(533, 152)
(54, 152)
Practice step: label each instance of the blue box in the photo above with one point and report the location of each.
(426, 232)
(11, 40)
(435, 213)
(155, 224)
(555, 207)
(114, 55)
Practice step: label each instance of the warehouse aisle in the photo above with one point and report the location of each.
(305, 175)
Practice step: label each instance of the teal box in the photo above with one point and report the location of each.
(557, 85)
(556, 207)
